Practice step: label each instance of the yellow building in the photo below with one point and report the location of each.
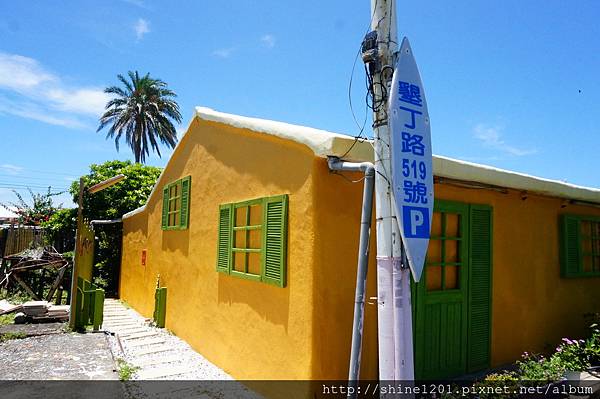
(257, 241)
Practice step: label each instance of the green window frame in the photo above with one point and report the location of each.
(579, 246)
(252, 239)
(176, 204)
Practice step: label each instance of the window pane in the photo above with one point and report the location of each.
(452, 225)
(240, 239)
(177, 204)
(255, 215)
(451, 281)
(586, 228)
(238, 261)
(254, 263)
(434, 278)
(586, 245)
(436, 225)
(595, 227)
(588, 265)
(240, 216)
(255, 238)
(434, 252)
(451, 251)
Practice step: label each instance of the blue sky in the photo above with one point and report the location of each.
(513, 84)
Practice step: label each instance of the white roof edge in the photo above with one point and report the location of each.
(467, 171)
(324, 143)
(319, 141)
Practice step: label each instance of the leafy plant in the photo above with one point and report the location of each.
(111, 203)
(572, 355)
(40, 210)
(126, 370)
(142, 110)
(539, 368)
(6, 319)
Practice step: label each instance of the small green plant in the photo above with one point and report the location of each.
(498, 385)
(6, 319)
(572, 355)
(12, 335)
(126, 370)
(539, 368)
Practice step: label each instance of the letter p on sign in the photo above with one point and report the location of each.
(416, 222)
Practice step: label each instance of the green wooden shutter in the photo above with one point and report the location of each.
(225, 238)
(570, 246)
(274, 240)
(480, 287)
(165, 208)
(186, 184)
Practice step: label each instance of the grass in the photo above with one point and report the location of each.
(15, 298)
(12, 335)
(6, 319)
(126, 370)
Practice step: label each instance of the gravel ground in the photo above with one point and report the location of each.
(58, 356)
(198, 367)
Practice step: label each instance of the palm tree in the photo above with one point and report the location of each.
(143, 111)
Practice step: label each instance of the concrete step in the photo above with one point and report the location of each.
(144, 342)
(141, 334)
(150, 351)
(162, 372)
(153, 362)
(125, 333)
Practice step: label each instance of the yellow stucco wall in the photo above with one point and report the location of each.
(258, 331)
(252, 330)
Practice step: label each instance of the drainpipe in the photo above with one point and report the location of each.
(363, 259)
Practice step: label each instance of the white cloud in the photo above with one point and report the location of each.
(141, 27)
(11, 169)
(223, 52)
(268, 41)
(30, 91)
(137, 3)
(491, 137)
(22, 73)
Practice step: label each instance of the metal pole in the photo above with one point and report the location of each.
(388, 236)
(363, 262)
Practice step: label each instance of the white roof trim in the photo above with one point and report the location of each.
(324, 143)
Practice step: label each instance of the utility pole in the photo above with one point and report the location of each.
(393, 277)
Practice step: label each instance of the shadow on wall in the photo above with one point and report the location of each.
(176, 240)
(270, 302)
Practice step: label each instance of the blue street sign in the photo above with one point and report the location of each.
(412, 169)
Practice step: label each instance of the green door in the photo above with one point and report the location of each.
(451, 304)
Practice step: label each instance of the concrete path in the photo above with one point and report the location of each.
(157, 354)
(60, 356)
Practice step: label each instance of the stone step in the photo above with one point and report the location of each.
(145, 342)
(154, 362)
(161, 372)
(150, 351)
(125, 333)
(121, 327)
(141, 334)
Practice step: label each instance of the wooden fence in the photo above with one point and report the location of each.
(15, 239)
